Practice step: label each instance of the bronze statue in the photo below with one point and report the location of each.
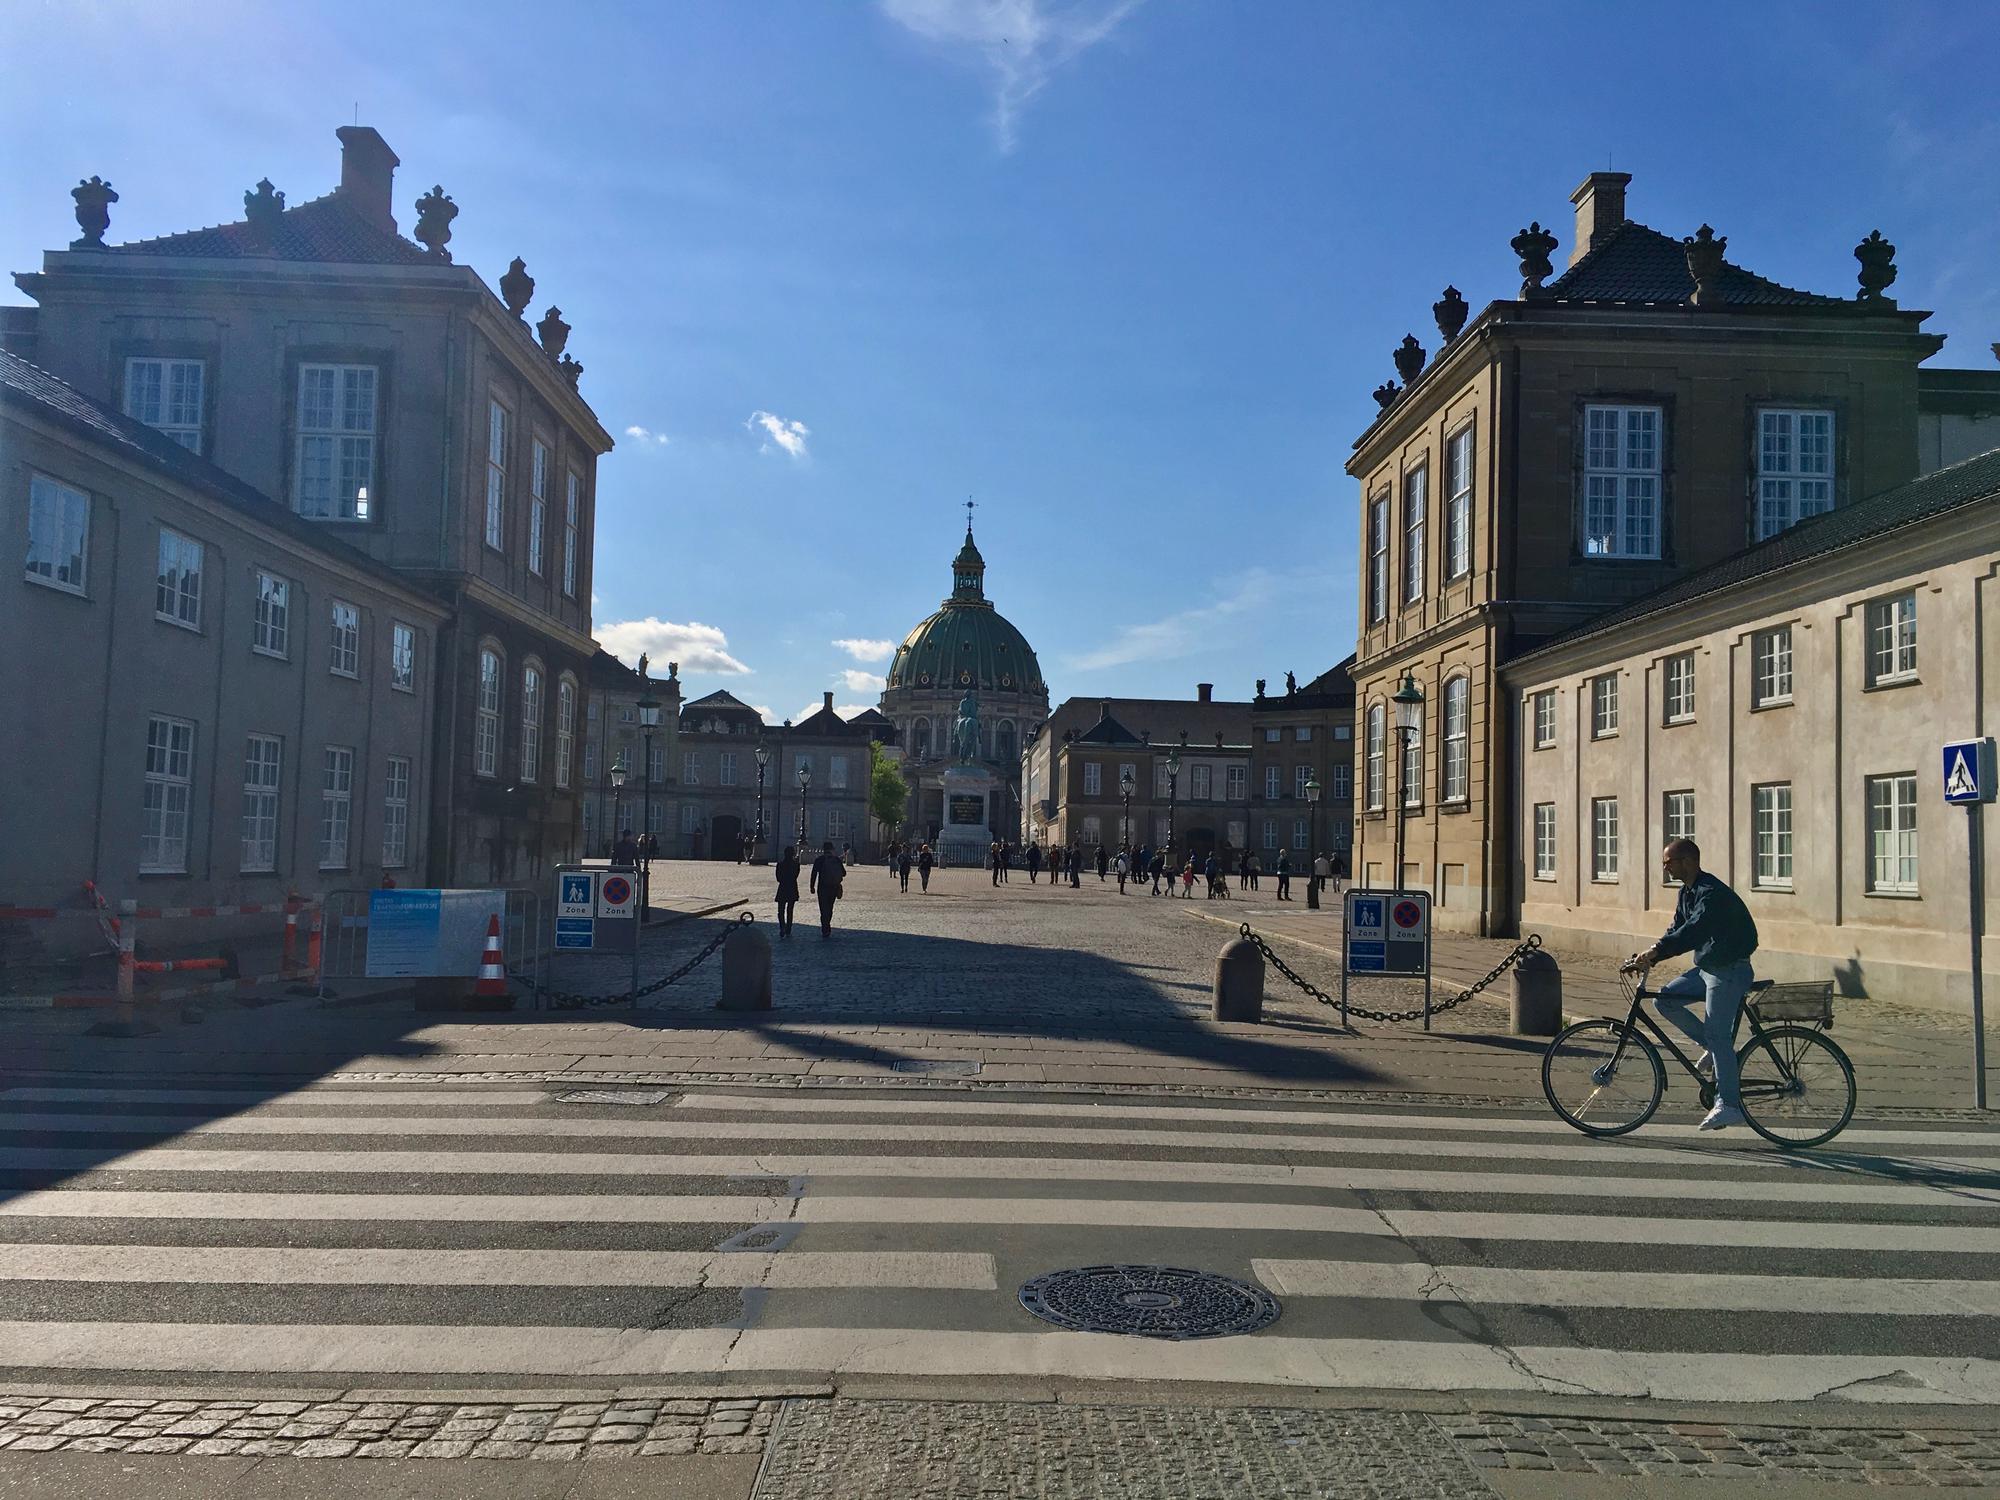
(965, 730)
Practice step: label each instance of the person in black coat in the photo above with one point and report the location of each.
(902, 863)
(788, 889)
(925, 859)
(828, 874)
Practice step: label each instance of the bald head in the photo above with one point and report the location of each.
(1681, 860)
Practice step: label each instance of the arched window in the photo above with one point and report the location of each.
(1375, 763)
(920, 739)
(1412, 777)
(1457, 738)
(1003, 742)
(565, 727)
(486, 723)
(531, 721)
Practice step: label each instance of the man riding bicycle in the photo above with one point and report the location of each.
(1711, 921)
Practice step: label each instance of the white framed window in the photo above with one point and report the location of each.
(725, 769)
(1457, 739)
(271, 627)
(334, 461)
(1892, 833)
(1621, 481)
(1270, 833)
(590, 761)
(497, 421)
(344, 640)
(1163, 784)
(1678, 689)
(836, 822)
(336, 807)
(1545, 841)
(1604, 706)
(572, 527)
(403, 658)
(1239, 777)
(1771, 659)
(1604, 838)
(1273, 775)
(538, 503)
(163, 842)
(690, 818)
(1343, 731)
(656, 817)
(565, 729)
(1412, 780)
(263, 762)
(1378, 559)
(58, 534)
(1093, 779)
(166, 394)
(1343, 783)
(486, 719)
(1300, 776)
(1272, 736)
(1416, 494)
(1545, 718)
(1794, 467)
(1093, 829)
(1201, 783)
(691, 767)
(1458, 504)
(1892, 639)
(1771, 815)
(531, 722)
(396, 813)
(1301, 834)
(1375, 752)
(1239, 834)
(1303, 733)
(836, 772)
(177, 584)
(1676, 821)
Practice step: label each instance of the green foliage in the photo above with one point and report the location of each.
(888, 793)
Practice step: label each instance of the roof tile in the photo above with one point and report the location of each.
(1639, 264)
(322, 229)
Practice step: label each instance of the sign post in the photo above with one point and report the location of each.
(597, 912)
(1387, 932)
(1970, 782)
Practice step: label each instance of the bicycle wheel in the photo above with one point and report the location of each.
(1802, 1095)
(1603, 1077)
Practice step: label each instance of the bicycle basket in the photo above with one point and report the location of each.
(1810, 1003)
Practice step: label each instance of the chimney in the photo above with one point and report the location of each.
(829, 702)
(368, 175)
(1204, 692)
(1600, 208)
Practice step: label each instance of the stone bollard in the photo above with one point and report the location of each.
(746, 969)
(1537, 1005)
(1239, 982)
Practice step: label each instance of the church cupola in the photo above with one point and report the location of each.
(968, 572)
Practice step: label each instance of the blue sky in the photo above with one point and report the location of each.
(1123, 272)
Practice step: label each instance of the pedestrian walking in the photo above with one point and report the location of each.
(924, 860)
(903, 864)
(1243, 871)
(1284, 874)
(1212, 873)
(1256, 869)
(788, 889)
(1034, 863)
(1322, 872)
(1074, 859)
(1006, 860)
(829, 874)
(626, 851)
(1123, 865)
(1187, 878)
(1158, 868)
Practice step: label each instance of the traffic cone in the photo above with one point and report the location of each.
(492, 964)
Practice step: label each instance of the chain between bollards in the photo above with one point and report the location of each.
(572, 1000)
(1526, 946)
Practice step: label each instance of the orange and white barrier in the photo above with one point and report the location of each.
(492, 963)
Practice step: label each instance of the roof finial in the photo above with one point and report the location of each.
(969, 503)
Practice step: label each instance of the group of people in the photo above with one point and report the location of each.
(827, 881)
(904, 856)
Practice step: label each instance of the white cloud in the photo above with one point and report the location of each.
(862, 682)
(866, 650)
(764, 712)
(845, 710)
(1021, 44)
(646, 435)
(697, 647)
(779, 432)
(1176, 635)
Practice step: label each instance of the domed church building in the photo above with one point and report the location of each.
(968, 646)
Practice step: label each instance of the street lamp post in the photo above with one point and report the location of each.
(1312, 876)
(1409, 701)
(1125, 784)
(649, 720)
(805, 787)
(1173, 786)
(617, 786)
(763, 753)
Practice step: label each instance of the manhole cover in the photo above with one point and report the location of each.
(615, 1096)
(959, 1066)
(1154, 1302)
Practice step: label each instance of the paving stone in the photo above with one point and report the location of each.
(666, 1446)
(732, 1445)
(98, 1445)
(159, 1445)
(278, 1408)
(88, 1427)
(68, 1404)
(36, 1442)
(442, 1448)
(325, 1448)
(622, 1433)
(558, 1452)
(216, 1447)
(386, 1448)
(268, 1447)
(502, 1448)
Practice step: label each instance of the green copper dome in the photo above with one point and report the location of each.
(968, 643)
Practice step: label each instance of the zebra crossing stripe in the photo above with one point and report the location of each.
(1942, 1193)
(253, 1098)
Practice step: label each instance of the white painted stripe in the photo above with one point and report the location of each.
(1818, 1296)
(1765, 1235)
(247, 1099)
(1751, 1152)
(426, 1267)
(1844, 1191)
(1976, 1140)
(1266, 1359)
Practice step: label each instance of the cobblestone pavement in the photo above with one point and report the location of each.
(647, 1426)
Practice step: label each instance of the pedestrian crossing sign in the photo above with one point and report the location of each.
(1968, 771)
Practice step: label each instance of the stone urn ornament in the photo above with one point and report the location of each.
(435, 211)
(553, 331)
(1451, 311)
(1409, 358)
(1386, 393)
(94, 198)
(1877, 257)
(263, 206)
(517, 287)
(1534, 245)
(1704, 257)
(572, 371)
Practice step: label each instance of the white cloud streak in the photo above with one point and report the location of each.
(857, 681)
(1019, 44)
(697, 647)
(862, 649)
(779, 433)
(647, 437)
(845, 710)
(1177, 635)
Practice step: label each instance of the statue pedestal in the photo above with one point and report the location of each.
(964, 835)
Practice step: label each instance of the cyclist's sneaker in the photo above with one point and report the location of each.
(1722, 1117)
(1705, 1065)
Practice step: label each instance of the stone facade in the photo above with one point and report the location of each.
(613, 736)
(714, 784)
(1304, 732)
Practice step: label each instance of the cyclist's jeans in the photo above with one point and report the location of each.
(1723, 991)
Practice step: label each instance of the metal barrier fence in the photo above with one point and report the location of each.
(525, 935)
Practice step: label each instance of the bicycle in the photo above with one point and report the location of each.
(1605, 1077)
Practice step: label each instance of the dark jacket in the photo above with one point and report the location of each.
(1711, 921)
(924, 860)
(827, 875)
(788, 877)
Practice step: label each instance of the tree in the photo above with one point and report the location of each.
(888, 793)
